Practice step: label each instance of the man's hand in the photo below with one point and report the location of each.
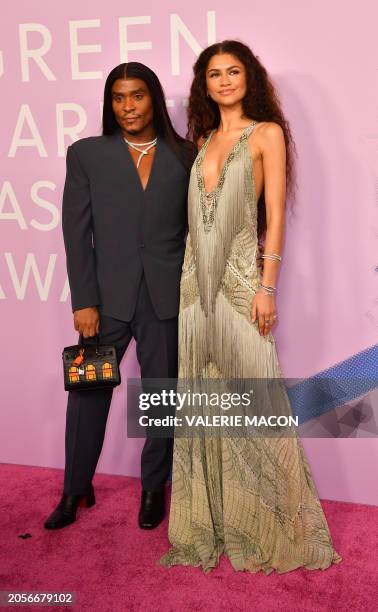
(87, 321)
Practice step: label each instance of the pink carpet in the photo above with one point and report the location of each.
(111, 563)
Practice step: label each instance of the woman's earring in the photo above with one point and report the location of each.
(207, 93)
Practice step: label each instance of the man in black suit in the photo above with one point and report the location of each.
(124, 225)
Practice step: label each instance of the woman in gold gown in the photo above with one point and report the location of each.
(251, 498)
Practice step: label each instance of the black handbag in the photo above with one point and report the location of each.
(90, 366)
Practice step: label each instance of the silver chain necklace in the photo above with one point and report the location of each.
(136, 145)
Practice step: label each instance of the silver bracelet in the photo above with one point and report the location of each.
(273, 256)
(268, 289)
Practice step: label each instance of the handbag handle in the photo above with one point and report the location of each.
(81, 341)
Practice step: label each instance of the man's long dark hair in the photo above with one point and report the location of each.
(183, 149)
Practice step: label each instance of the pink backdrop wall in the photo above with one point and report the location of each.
(323, 60)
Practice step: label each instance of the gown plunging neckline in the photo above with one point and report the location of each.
(225, 164)
(208, 201)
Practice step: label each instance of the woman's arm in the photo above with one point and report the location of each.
(273, 152)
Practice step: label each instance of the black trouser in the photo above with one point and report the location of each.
(87, 411)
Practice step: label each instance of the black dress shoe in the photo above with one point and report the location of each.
(152, 509)
(65, 512)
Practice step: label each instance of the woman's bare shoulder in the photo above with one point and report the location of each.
(266, 137)
(269, 131)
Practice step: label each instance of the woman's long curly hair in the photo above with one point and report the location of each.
(260, 103)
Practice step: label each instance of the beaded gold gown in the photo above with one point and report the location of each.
(252, 499)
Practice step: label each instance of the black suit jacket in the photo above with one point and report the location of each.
(113, 230)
